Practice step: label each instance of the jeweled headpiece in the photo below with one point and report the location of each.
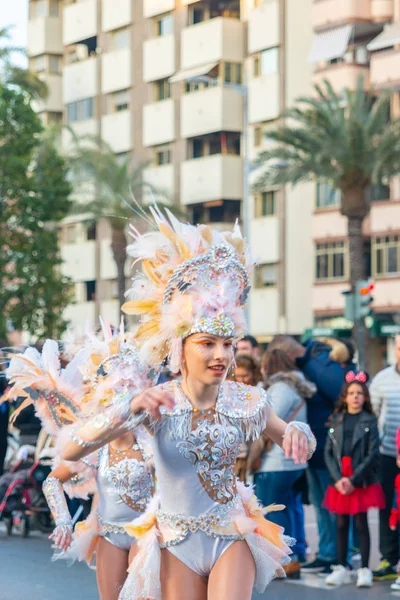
(193, 280)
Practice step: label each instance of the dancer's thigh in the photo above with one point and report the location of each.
(111, 569)
(232, 577)
(178, 581)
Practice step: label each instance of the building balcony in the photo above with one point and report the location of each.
(211, 178)
(382, 10)
(73, 266)
(261, 229)
(328, 298)
(385, 217)
(264, 27)
(116, 70)
(81, 315)
(343, 75)
(116, 130)
(115, 14)
(54, 100)
(152, 8)
(329, 224)
(80, 80)
(210, 110)
(45, 36)
(159, 122)
(162, 179)
(79, 21)
(159, 58)
(385, 69)
(211, 41)
(264, 311)
(329, 13)
(264, 98)
(89, 127)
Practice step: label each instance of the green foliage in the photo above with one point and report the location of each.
(344, 138)
(33, 197)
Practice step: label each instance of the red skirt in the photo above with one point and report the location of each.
(359, 501)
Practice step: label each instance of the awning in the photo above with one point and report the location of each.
(330, 44)
(188, 74)
(389, 37)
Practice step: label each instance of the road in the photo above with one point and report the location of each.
(26, 573)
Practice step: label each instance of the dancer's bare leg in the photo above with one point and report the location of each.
(232, 577)
(178, 582)
(111, 569)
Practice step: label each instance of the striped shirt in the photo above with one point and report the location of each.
(385, 397)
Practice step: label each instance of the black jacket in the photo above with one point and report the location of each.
(364, 454)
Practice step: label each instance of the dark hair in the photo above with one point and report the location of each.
(341, 406)
(245, 361)
(276, 361)
(351, 350)
(251, 339)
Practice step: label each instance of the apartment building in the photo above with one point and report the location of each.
(192, 87)
(353, 38)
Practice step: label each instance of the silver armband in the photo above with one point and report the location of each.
(55, 497)
(303, 428)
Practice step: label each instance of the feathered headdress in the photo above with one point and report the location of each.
(193, 279)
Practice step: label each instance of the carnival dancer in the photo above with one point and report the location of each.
(352, 457)
(120, 473)
(208, 537)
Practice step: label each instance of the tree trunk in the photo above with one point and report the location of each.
(355, 208)
(118, 246)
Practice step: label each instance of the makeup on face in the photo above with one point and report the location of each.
(355, 398)
(207, 357)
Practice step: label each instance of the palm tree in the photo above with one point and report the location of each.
(22, 78)
(346, 139)
(117, 183)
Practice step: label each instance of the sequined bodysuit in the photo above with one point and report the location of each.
(202, 508)
(124, 486)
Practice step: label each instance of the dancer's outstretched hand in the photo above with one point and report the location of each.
(62, 537)
(295, 445)
(151, 400)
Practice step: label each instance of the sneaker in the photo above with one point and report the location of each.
(384, 571)
(339, 576)
(396, 585)
(316, 566)
(328, 571)
(364, 578)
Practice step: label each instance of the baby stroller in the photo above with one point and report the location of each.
(23, 502)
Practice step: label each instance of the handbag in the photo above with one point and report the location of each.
(264, 444)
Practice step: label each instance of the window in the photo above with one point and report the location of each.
(54, 64)
(110, 289)
(162, 89)
(265, 275)
(258, 136)
(197, 14)
(196, 86)
(163, 156)
(54, 117)
(90, 291)
(164, 25)
(70, 234)
(120, 100)
(265, 204)
(361, 55)
(39, 64)
(269, 61)
(121, 39)
(198, 148)
(91, 231)
(386, 255)
(330, 261)
(233, 73)
(327, 196)
(54, 8)
(377, 193)
(81, 110)
(39, 9)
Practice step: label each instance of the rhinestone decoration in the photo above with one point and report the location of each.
(206, 269)
(221, 325)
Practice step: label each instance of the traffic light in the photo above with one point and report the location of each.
(363, 299)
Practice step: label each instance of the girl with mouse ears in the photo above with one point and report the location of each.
(206, 536)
